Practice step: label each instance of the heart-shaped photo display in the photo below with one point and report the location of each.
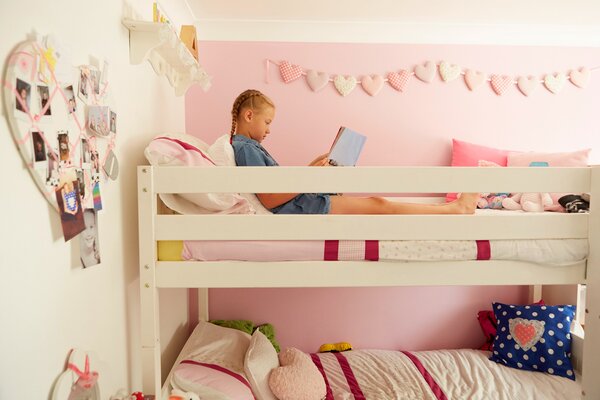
(63, 126)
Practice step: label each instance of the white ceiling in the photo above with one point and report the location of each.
(568, 22)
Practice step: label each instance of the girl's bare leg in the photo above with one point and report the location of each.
(465, 204)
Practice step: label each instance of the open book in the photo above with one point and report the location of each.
(346, 147)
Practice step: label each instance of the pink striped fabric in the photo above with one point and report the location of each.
(484, 251)
(331, 250)
(220, 369)
(435, 388)
(351, 250)
(317, 361)
(352, 382)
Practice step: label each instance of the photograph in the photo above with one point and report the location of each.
(63, 145)
(84, 83)
(44, 96)
(88, 239)
(98, 120)
(113, 121)
(71, 103)
(85, 152)
(52, 178)
(81, 181)
(95, 80)
(24, 95)
(39, 146)
(69, 206)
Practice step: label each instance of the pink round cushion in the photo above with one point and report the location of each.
(297, 378)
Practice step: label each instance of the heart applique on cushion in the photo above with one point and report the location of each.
(425, 72)
(344, 85)
(448, 71)
(474, 79)
(527, 84)
(399, 80)
(372, 84)
(580, 77)
(289, 72)
(555, 83)
(500, 83)
(526, 332)
(316, 80)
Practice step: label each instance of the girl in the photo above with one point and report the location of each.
(251, 117)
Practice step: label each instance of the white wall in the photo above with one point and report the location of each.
(48, 303)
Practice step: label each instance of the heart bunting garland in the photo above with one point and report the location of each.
(372, 84)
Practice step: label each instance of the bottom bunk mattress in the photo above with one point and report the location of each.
(434, 375)
(547, 251)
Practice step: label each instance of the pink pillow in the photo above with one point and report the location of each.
(465, 154)
(298, 378)
(569, 159)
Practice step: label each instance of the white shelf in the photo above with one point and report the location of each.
(160, 45)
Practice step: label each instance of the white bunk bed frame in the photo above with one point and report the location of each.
(154, 227)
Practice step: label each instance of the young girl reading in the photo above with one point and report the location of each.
(252, 114)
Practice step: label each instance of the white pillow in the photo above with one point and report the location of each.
(214, 367)
(261, 358)
(183, 150)
(222, 154)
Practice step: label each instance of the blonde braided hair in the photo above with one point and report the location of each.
(250, 98)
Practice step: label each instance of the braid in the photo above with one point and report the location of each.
(245, 99)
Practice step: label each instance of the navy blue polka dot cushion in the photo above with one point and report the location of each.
(534, 338)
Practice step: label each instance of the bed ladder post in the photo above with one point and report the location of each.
(149, 310)
(591, 343)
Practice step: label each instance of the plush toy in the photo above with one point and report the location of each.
(531, 202)
(574, 203)
(297, 378)
(491, 200)
(335, 347)
(181, 395)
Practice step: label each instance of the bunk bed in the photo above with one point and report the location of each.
(155, 227)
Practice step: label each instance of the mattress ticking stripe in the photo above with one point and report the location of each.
(372, 250)
(352, 383)
(220, 369)
(484, 251)
(435, 388)
(331, 250)
(317, 361)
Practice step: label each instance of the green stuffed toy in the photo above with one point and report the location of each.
(248, 326)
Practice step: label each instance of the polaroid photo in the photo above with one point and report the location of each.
(69, 206)
(53, 177)
(44, 105)
(81, 181)
(95, 80)
(39, 147)
(71, 102)
(111, 165)
(23, 98)
(85, 153)
(113, 121)
(98, 120)
(89, 245)
(84, 83)
(64, 150)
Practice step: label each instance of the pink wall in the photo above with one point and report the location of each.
(410, 128)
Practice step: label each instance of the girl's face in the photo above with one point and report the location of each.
(258, 122)
(88, 235)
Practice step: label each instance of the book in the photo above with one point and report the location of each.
(346, 147)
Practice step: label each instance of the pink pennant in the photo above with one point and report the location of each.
(289, 72)
(501, 83)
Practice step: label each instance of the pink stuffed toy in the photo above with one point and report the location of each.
(531, 202)
(297, 378)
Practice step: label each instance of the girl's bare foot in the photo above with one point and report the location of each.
(466, 203)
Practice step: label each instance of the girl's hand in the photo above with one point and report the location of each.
(320, 161)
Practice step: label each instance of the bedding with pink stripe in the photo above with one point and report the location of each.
(434, 375)
(550, 251)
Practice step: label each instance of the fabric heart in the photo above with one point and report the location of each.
(425, 72)
(289, 72)
(526, 332)
(449, 71)
(344, 85)
(316, 80)
(555, 83)
(500, 83)
(399, 80)
(580, 77)
(527, 84)
(474, 79)
(372, 84)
